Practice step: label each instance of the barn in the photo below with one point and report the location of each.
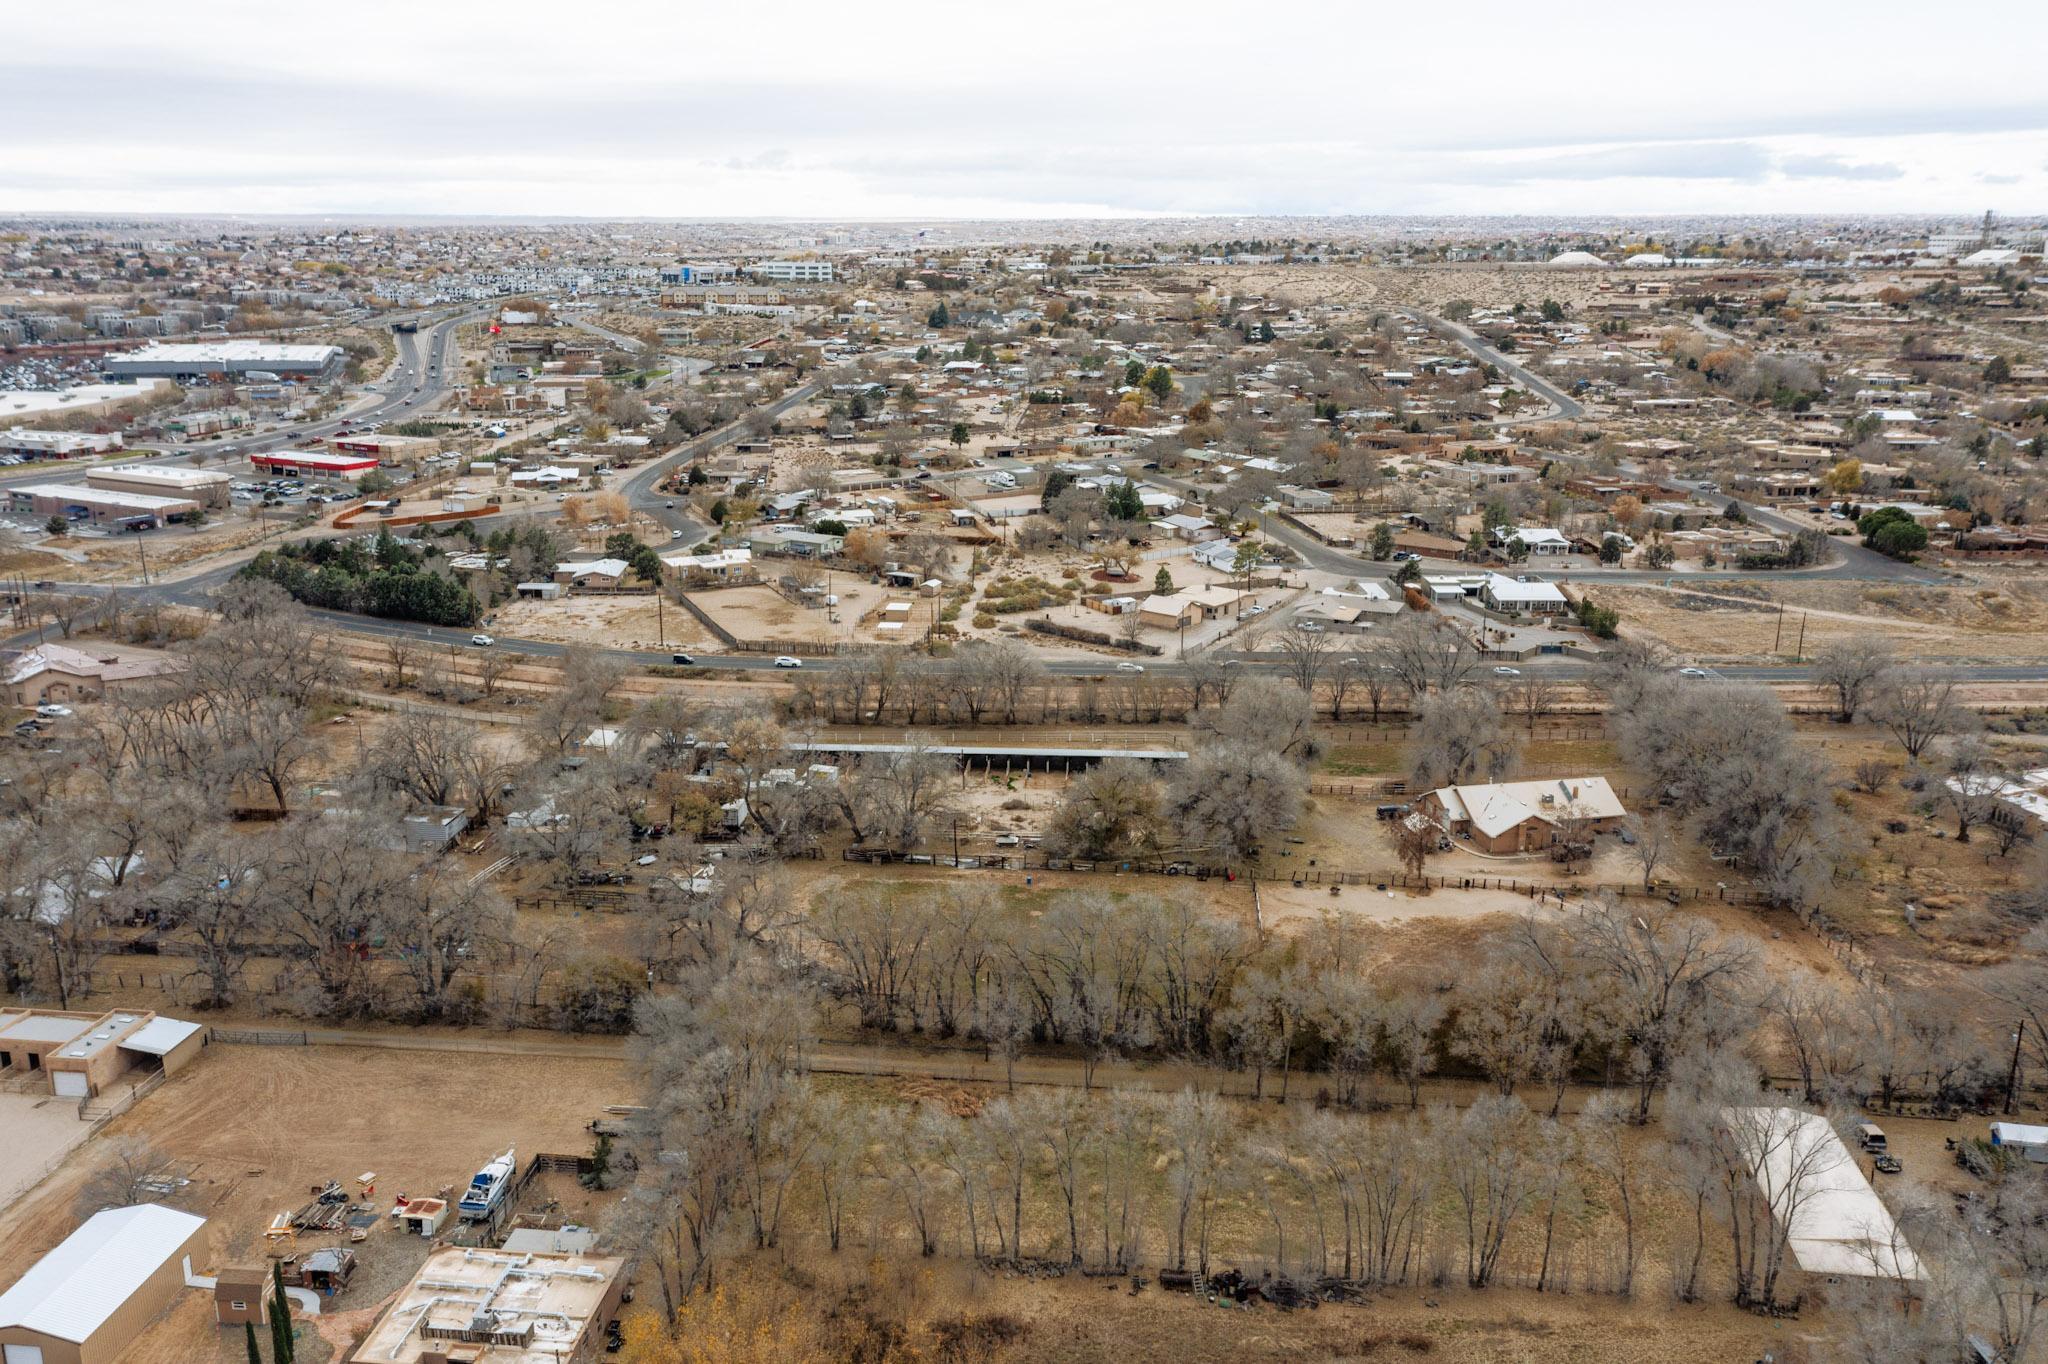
(87, 1300)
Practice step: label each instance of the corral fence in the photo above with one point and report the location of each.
(262, 1037)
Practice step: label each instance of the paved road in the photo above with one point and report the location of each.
(1563, 404)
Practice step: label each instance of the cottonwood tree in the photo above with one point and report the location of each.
(1110, 812)
(1486, 1155)
(1200, 1137)
(443, 925)
(1856, 669)
(1460, 738)
(1919, 706)
(1267, 713)
(1972, 783)
(1227, 795)
(1670, 981)
(214, 896)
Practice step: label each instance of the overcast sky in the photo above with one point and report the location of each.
(912, 108)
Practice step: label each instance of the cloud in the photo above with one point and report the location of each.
(1990, 179)
(1745, 161)
(1836, 168)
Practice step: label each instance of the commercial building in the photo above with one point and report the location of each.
(498, 1307)
(55, 444)
(17, 404)
(793, 271)
(88, 1299)
(389, 449)
(318, 463)
(228, 359)
(79, 1055)
(100, 506)
(207, 487)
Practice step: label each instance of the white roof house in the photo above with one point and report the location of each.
(1503, 591)
(1493, 808)
(1835, 1222)
(71, 1292)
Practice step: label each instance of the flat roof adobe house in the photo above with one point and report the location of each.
(81, 1054)
(490, 1307)
(88, 1299)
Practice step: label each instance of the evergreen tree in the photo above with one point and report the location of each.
(281, 1348)
(1162, 582)
(249, 1339)
(1383, 542)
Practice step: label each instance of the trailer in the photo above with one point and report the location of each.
(2022, 1139)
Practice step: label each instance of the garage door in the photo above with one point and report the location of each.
(22, 1354)
(69, 1084)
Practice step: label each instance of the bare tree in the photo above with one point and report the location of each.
(1856, 668)
(1919, 707)
(1460, 738)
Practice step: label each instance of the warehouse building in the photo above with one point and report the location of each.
(88, 1299)
(100, 506)
(207, 487)
(228, 359)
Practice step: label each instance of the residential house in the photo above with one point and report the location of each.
(1523, 816)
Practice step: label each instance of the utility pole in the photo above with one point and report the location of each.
(1778, 634)
(660, 625)
(143, 550)
(2012, 1074)
(1801, 651)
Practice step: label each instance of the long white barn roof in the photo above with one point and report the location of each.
(71, 1292)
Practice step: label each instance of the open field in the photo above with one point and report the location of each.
(1992, 618)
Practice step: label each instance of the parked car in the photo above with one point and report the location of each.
(785, 661)
(1888, 1165)
(482, 641)
(52, 712)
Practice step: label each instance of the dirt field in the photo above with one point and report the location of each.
(624, 622)
(1992, 618)
(255, 1127)
(759, 613)
(1420, 286)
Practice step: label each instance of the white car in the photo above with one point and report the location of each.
(1507, 672)
(482, 641)
(1692, 672)
(53, 712)
(785, 661)
(1130, 667)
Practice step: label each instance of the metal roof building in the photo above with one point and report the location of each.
(87, 1300)
(227, 359)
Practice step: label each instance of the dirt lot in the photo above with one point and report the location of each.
(36, 1131)
(759, 613)
(255, 1127)
(1423, 286)
(623, 622)
(1994, 617)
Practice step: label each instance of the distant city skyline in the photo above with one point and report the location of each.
(927, 110)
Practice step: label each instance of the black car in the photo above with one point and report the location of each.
(683, 660)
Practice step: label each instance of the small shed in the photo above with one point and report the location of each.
(327, 1271)
(241, 1293)
(420, 1216)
